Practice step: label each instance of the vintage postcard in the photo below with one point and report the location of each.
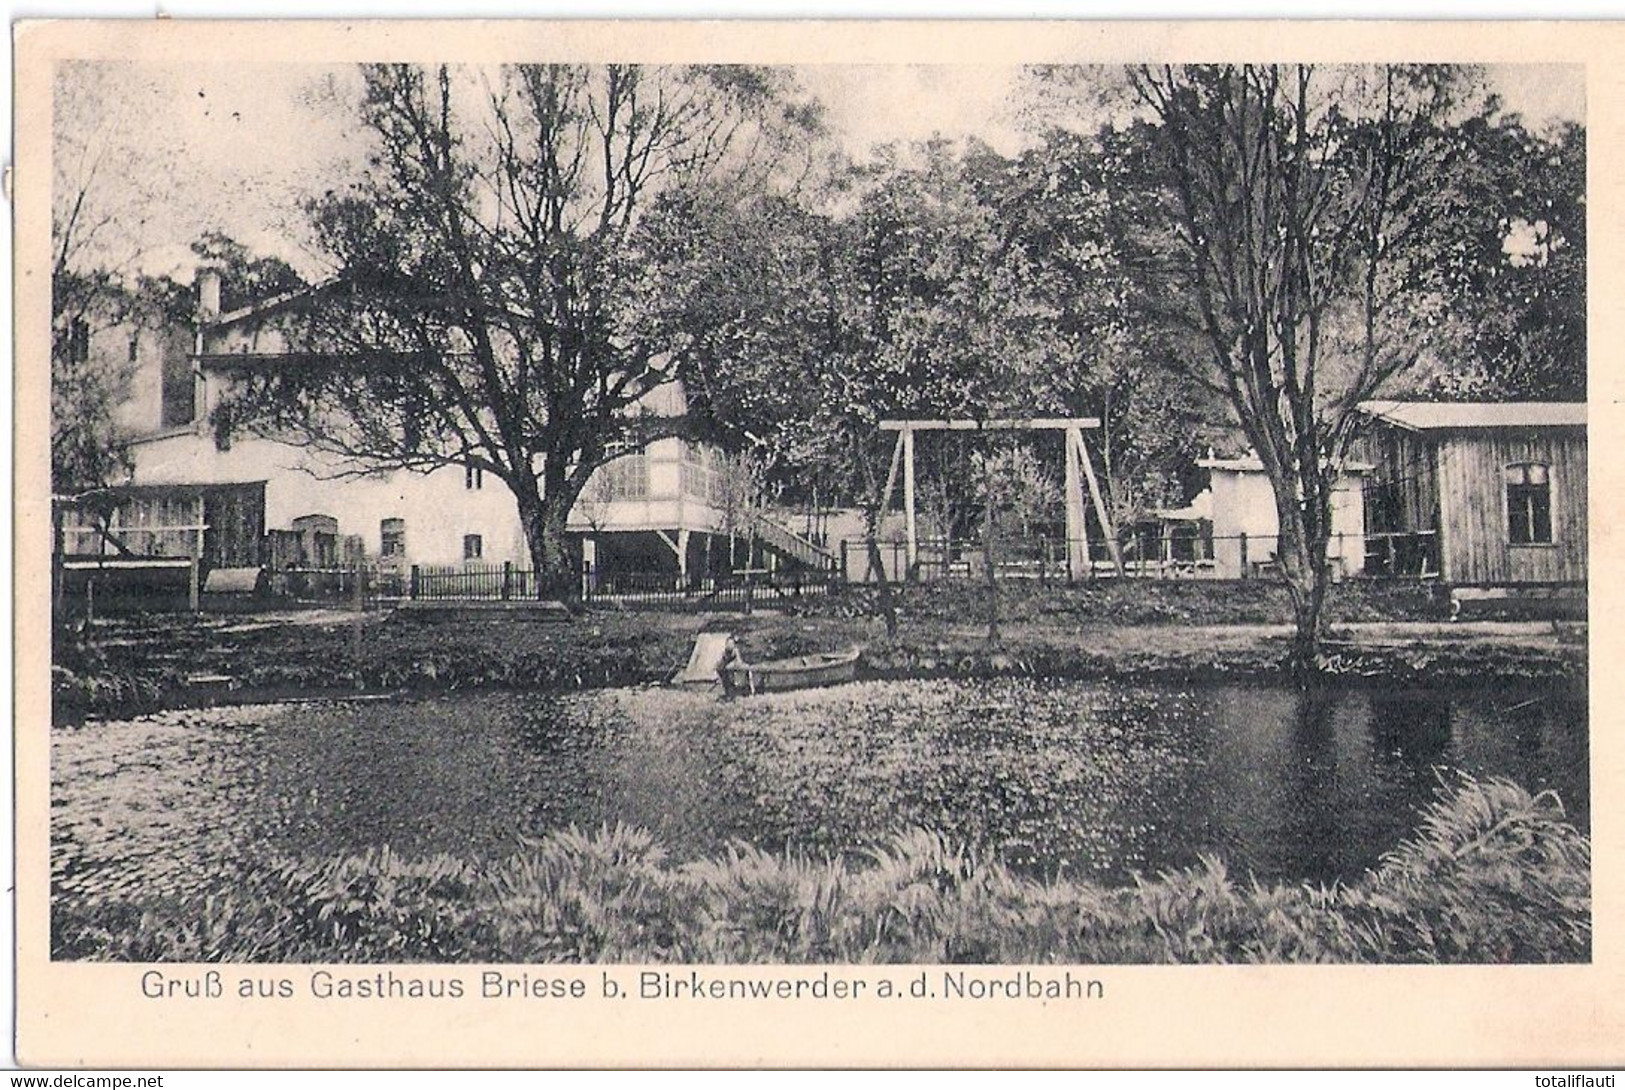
(630, 544)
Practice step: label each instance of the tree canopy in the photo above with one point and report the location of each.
(1206, 255)
(491, 283)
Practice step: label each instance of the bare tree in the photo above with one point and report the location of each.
(1296, 196)
(97, 209)
(489, 303)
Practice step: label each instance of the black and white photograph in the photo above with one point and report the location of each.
(1055, 514)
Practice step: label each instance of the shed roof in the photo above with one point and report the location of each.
(1250, 463)
(1452, 415)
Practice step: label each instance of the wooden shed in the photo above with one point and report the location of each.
(1477, 494)
(219, 525)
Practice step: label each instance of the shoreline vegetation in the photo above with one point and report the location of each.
(1396, 633)
(1492, 875)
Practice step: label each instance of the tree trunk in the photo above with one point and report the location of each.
(544, 516)
(1307, 590)
(1301, 549)
(888, 604)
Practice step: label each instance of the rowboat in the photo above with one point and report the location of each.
(779, 675)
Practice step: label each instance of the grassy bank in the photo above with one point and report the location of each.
(1103, 629)
(1142, 602)
(1492, 874)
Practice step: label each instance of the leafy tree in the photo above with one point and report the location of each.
(1082, 211)
(942, 282)
(491, 304)
(1297, 200)
(1511, 243)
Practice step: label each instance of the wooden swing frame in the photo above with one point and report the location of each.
(1080, 473)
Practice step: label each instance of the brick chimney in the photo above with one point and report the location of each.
(208, 292)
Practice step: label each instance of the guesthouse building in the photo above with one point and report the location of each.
(237, 501)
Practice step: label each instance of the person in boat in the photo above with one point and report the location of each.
(730, 657)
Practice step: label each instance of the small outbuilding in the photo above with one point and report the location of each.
(1246, 530)
(1477, 494)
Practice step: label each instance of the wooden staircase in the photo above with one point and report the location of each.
(790, 544)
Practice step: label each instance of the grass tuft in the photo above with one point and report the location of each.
(1492, 874)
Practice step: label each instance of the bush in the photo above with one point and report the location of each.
(1492, 875)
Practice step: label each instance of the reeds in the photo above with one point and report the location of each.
(1493, 874)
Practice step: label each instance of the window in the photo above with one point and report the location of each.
(392, 537)
(1529, 504)
(695, 479)
(473, 547)
(626, 478)
(473, 477)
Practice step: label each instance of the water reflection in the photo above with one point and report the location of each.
(1100, 780)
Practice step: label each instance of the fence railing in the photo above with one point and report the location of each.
(486, 582)
(338, 585)
(743, 588)
(1143, 556)
(509, 583)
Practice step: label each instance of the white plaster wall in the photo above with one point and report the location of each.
(437, 507)
(1244, 503)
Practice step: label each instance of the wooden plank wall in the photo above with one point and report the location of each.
(1472, 493)
(236, 517)
(1404, 473)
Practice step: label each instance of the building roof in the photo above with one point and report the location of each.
(264, 308)
(1249, 463)
(1448, 415)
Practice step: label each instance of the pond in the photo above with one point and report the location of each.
(1090, 779)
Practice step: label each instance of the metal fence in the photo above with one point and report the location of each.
(1143, 556)
(481, 582)
(507, 582)
(743, 589)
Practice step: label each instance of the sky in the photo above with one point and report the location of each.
(238, 147)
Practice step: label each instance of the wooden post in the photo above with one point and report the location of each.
(507, 580)
(59, 572)
(1244, 564)
(1106, 526)
(416, 584)
(880, 514)
(1077, 526)
(989, 561)
(908, 503)
(360, 602)
(891, 477)
(192, 588)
